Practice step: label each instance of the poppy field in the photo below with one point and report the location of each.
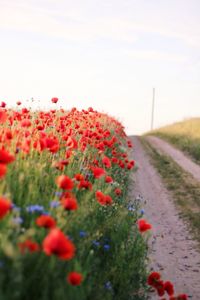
(68, 228)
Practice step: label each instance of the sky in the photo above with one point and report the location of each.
(108, 54)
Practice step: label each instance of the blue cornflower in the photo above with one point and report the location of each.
(142, 211)
(96, 244)
(35, 208)
(82, 233)
(106, 247)
(108, 285)
(131, 208)
(15, 207)
(18, 220)
(54, 204)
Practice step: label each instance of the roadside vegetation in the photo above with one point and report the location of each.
(184, 135)
(67, 227)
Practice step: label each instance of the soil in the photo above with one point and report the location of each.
(185, 162)
(172, 251)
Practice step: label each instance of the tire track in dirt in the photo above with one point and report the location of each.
(171, 249)
(178, 156)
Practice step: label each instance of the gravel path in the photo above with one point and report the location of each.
(186, 163)
(172, 251)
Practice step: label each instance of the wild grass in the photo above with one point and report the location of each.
(184, 135)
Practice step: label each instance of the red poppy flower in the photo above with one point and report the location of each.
(5, 207)
(121, 164)
(103, 199)
(108, 179)
(90, 109)
(68, 153)
(108, 200)
(71, 143)
(28, 245)
(57, 243)
(153, 278)
(52, 144)
(3, 104)
(58, 165)
(6, 157)
(114, 160)
(169, 288)
(54, 149)
(26, 123)
(40, 127)
(9, 135)
(45, 221)
(79, 177)
(3, 116)
(106, 161)
(66, 194)
(118, 191)
(129, 166)
(54, 100)
(182, 297)
(64, 182)
(25, 111)
(39, 145)
(160, 288)
(95, 162)
(69, 203)
(143, 225)
(3, 170)
(74, 278)
(129, 143)
(84, 184)
(132, 162)
(98, 172)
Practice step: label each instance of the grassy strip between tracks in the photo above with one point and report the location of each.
(184, 135)
(185, 190)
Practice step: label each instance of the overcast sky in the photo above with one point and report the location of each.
(104, 54)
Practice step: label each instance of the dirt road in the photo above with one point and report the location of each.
(186, 163)
(172, 251)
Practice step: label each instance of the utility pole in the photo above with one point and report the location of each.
(153, 107)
